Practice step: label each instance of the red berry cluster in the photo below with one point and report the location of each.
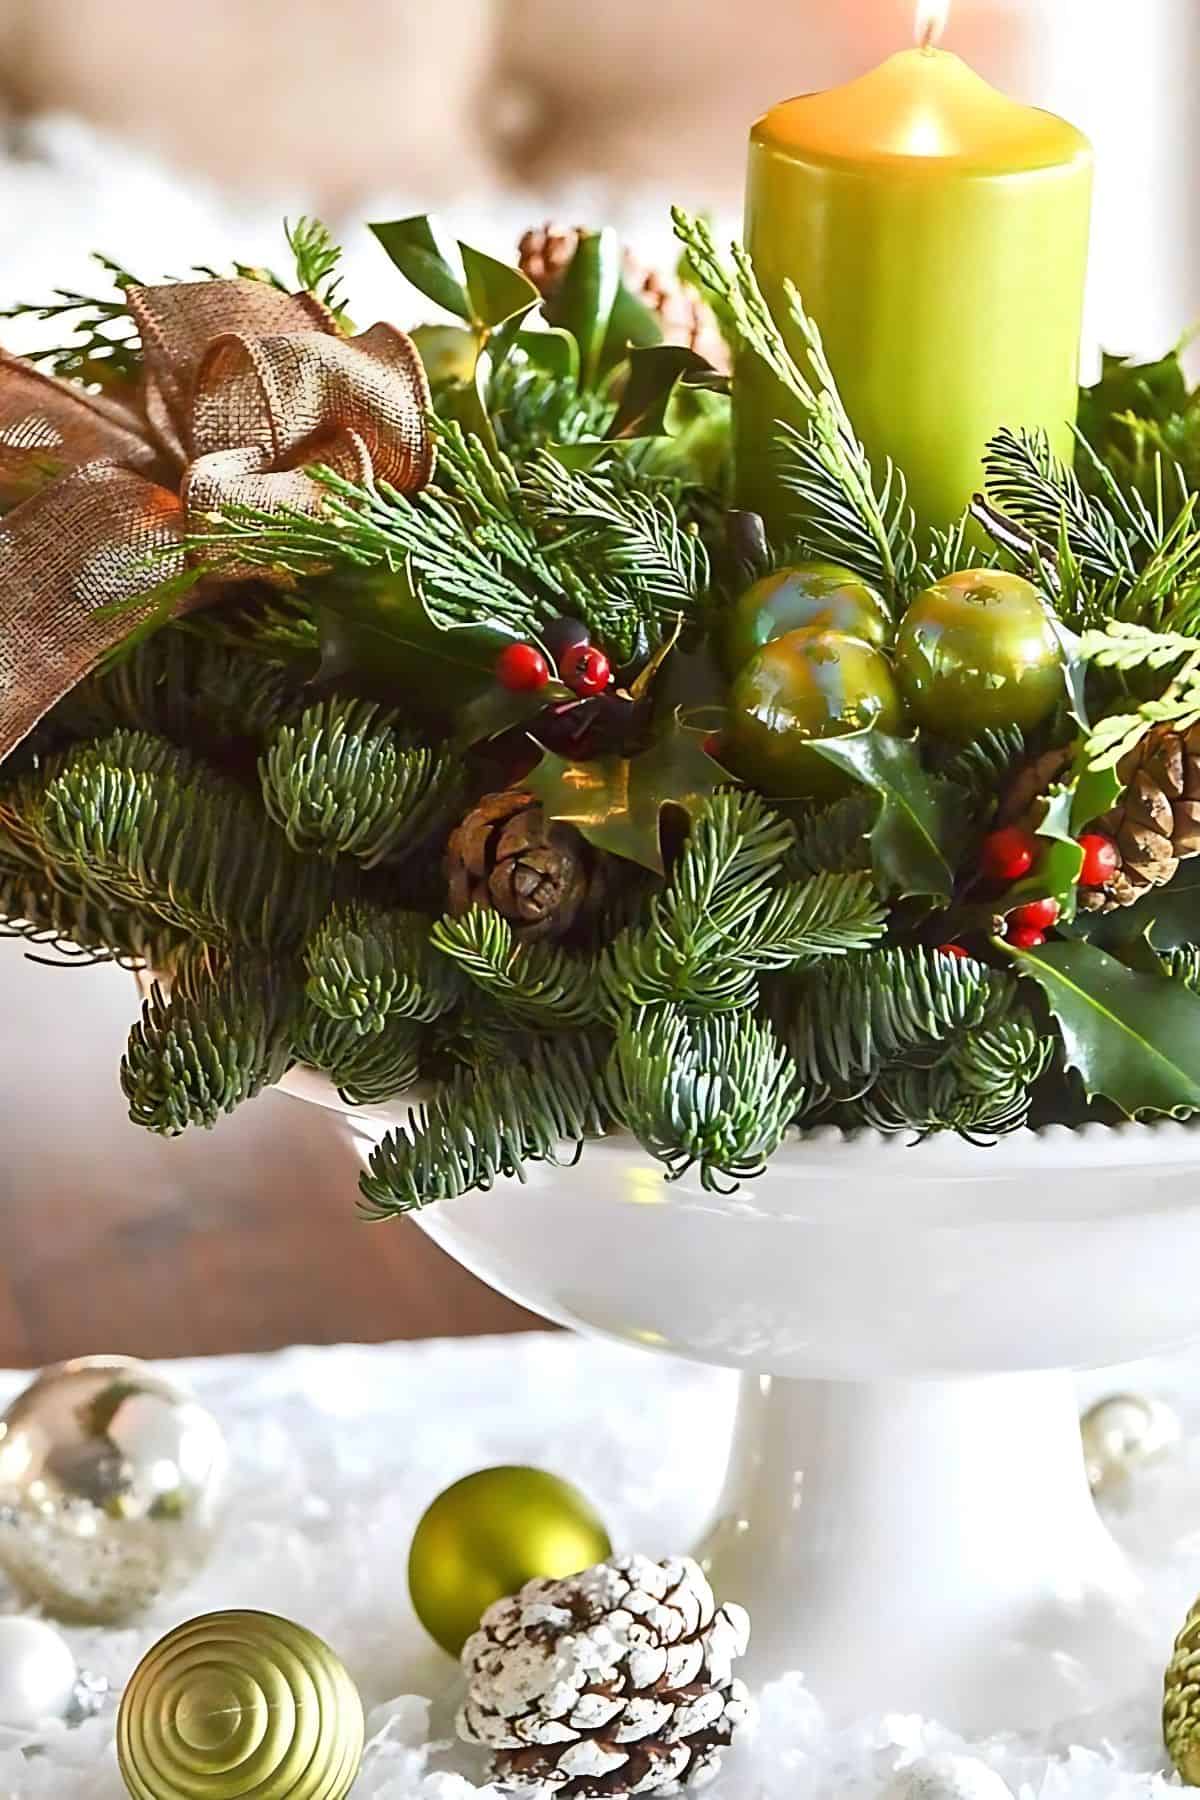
(1009, 854)
(523, 668)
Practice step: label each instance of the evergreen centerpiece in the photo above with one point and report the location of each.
(538, 778)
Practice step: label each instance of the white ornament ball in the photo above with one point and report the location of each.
(946, 1777)
(37, 1672)
(1124, 1431)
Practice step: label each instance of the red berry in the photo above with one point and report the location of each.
(561, 635)
(1007, 854)
(712, 744)
(1100, 859)
(521, 668)
(953, 950)
(1035, 915)
(585, 670)
(1026, 937)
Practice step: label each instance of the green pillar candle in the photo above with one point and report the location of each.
(937, 232)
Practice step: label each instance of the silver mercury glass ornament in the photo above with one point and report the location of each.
(111, 1482)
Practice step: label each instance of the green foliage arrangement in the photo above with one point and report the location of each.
(317, 819)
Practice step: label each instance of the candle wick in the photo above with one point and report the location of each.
(928, 34)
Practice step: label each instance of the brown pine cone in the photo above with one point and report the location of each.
(544, 255)
(1030, 783)
(615, 1682)
(1155, 824)
(505, 856)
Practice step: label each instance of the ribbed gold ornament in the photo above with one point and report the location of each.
(1181, 1701)
(240, 1703)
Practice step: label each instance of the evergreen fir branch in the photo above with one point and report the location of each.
(192, 1058)
(317, 258)
(486, 1124)
(531, 410)
(181, 686)
(365, 1069)
(1183, 964)
(984, 767)
(342, 781)
(1129, 648)
(367, 967)
(844, 1022)
(954, 548)
(535, 985)
(981, 1091)
(103, 349)
(624, 536)
(723, 921)
(716, 1093)
(1107, 551)
(846, 515)
(151, 829)
(836, 839)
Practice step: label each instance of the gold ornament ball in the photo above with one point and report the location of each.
(489, 1534)
(111, 1480)
(1123, 1431)
(240, 1704)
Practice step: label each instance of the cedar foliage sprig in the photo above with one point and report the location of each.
(846, 514)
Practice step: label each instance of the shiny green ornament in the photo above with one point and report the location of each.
(489, 1534)
(812, 596)
(805, 685)
(979, 651)
(240, 1704)
(1181, 1701)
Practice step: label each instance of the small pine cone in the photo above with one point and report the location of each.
(1030, 783)
(506, 857)
(544, 255)
(1155, 824)
(614, 1682)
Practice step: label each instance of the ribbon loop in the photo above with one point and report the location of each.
(245, 387)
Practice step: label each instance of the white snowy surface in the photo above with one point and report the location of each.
(337, 1451)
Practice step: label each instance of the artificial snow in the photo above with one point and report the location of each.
(337, 1452)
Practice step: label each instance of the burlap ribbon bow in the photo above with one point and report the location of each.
(244, 388)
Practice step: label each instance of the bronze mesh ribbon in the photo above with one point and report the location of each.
(245, 388)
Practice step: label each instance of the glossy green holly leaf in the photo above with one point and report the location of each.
(1094, 793)
(633, 326)
(1133, 1037)
(429, 258)
(617, 802)
(374, 627)
(918, 835)
(655, 377)
(553, 351)
(584, 299)
(498, 709)
(447, 351)
(501, 298)
(1169, 916)
(1055, 875)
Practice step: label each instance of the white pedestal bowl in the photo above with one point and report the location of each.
(906, 1512)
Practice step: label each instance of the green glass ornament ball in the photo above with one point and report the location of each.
(239, 1704)
(978, 651)
(817, 596)
(489, 1534)
(805, 685)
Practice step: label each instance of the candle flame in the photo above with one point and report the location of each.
(931, 21)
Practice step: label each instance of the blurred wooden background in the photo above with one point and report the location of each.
(244, 1238)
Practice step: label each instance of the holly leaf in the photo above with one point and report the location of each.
(584, 300)
(919, 830)
(632, 326)
(552, 351)
(427, 258)
(1060, 858)
(1095, 792)
(498, 709)
(617, 802)
(655, 376)
(1169, 916)
(501, 298)
(1133, 1037)
(447, 351)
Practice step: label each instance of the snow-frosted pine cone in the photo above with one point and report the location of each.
(617, 1681)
